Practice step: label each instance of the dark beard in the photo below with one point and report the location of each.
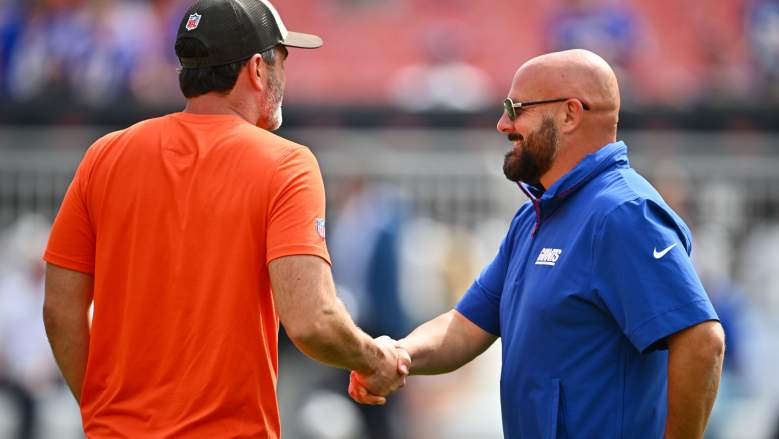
(536, 154)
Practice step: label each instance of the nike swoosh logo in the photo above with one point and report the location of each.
(660, 254)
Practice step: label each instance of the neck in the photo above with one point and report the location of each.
(212, 103)
(571, 153)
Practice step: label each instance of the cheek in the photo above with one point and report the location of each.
(523, 128)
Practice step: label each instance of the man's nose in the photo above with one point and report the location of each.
(505, 125)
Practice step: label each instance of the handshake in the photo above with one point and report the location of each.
(389, 374)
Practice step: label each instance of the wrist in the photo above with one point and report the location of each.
(372, 356)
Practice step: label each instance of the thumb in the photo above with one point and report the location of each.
(404, 361)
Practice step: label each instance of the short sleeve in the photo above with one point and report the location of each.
(72, 240)
(481, 303)
(644, 275)
(296, 211)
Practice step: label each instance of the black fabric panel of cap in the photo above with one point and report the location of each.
(191, 52)
(240, 19)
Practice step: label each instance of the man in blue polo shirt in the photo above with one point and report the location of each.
(606, 330)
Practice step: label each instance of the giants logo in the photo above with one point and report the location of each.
(548, 256)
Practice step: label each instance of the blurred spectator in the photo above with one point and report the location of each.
(712, 254)
(154, 80)
(51, 38)
(606, 27)
(27, 368)
(365, 245)
(10, 24)
(104, 52)
(762, 27)
(94, 52)
(365, 251)
(723, 74)
(444, 80)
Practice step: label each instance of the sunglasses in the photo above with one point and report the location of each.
(511, 107)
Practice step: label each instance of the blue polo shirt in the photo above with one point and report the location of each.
(592, 277)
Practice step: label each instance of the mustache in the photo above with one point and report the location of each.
(513, 137)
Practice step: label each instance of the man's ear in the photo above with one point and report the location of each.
(572, 116)
(256, 70)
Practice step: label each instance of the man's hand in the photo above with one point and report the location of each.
(389, 376)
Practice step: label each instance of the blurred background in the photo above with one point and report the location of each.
(400, 107)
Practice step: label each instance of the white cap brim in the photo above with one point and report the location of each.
(302, 41)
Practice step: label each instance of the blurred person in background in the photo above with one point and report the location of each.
(430, 85)
(151, 81)
(605, 327)
(10, 24)
(177, 228)
(762, 28)
(607, 27)
(51, 38)
(27, 371)
(90, 52)
(71, 50)
(366, 252)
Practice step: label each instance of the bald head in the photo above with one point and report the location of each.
(549, 140)
(574, 73)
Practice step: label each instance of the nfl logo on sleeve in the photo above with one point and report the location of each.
(320, 227)
(193, 22)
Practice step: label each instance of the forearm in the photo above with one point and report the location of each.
(69, 339)
(331, 337)
(444, 344)
(694, 368)
(66, 319)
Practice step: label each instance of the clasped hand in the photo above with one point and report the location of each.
(389, 375)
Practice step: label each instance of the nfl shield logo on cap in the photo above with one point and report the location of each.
(193, 21)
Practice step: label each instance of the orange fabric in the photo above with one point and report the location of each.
(177, 218)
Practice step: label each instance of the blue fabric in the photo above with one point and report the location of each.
(592, 277)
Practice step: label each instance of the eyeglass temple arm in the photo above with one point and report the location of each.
(585, 105)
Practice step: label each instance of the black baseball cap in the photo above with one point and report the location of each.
(234, 30)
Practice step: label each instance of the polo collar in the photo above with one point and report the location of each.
(546, 202)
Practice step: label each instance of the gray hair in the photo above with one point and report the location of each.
(269, 56)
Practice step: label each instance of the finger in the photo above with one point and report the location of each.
(404, 362)
(375, 400)
(363, 397)
(372, 400)
(355, 378)
(367, 398)
(360, 393)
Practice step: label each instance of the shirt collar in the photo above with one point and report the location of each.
(588, 168)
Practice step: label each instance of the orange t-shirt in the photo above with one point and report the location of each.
(177, 218)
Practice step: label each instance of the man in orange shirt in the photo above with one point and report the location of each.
(194, 235)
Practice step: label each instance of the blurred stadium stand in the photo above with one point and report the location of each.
(111, 53)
